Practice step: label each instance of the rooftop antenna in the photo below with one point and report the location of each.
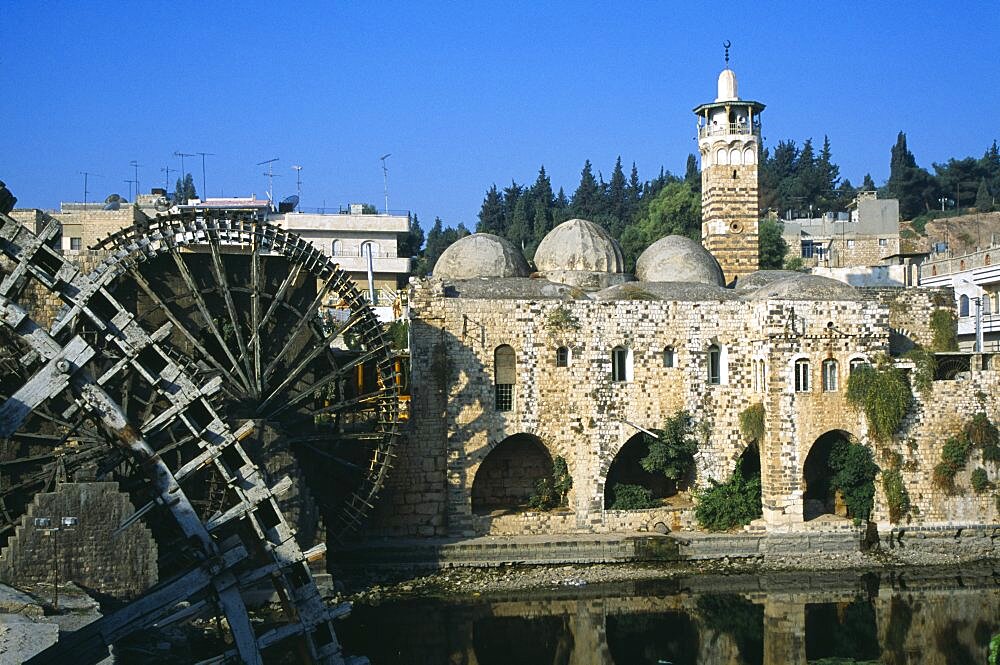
(727, 44)
(135, 165)
(86, 176)
(385, 179)
(167, 169)
(130, 183)
(270, 177)
(298, 182)
(204, 188)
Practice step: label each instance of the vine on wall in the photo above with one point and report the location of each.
(884, 396)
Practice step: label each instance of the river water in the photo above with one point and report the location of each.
(945, 616)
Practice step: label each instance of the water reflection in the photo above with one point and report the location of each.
(919, 617)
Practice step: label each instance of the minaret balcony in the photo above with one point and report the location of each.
(729, 129)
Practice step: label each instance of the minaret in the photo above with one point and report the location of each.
(729, 143)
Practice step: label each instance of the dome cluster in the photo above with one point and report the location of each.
(579, 254)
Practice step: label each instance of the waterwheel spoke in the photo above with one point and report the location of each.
(209, 321)
(301, 324)
(222, 286)
(255, 285)
(179, 326)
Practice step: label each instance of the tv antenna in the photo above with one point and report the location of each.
(385, 179)
(167, 170)
(298, 181)
(270, 177)
(135, 165)
(204, 188)
(86, 178)
(130, 183)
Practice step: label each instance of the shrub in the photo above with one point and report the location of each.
(981, 431)
(895, 494)
(854, 472)
(544, 497)
(752, 422)
(980, 481)
(632, 497)
(398, 334)
(924, 369)
(551, 492)
(954, 455)
(944, 327)
(562, 320)
(727, 505)
(562, 482)
(883, 395)
(672, 452)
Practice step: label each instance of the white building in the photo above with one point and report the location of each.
(976, 280)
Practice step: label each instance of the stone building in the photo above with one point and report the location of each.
(514, 370)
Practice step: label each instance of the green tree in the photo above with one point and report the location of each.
(491, 215)
(772, 246)
(984, 202)
(675, 210)
(542, 201)
(959, 179)
(868, 185)
(913, 186)
(413, 240)
(184, 190)
(618, 199)
(586, 199)
(672, 451)
(692, 176)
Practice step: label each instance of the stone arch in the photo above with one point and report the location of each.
(507, 472)
(749, 156)
(818, 496)
(722, 156)
(624, 468)
(735, 157)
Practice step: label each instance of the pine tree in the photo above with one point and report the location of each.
(868, 184)
(692, 176)
(586, 199)
(491, 217)
(541, 199)
(436, 244)
(984, 202)
(618, 200)
(184, 190)
(412, 241)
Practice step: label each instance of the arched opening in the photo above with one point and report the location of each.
(963, 305)
(626, 472)
(749, 463)
(649, 639)
(714, 365)
(802, 375)
(838, 478)
(504, 377)
(562, 356)
(621, 364)
(830, 375)
(546, 639)
(506, 479)
(370, 248)
(669, 356)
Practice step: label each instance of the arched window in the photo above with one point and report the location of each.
(336, 247)
(714, 365)
(621, 364)
(504, 377)
(759, 376)
(669, 356)
(830, 375)
(856, 363)
(987, 304)
(369, 246)
(987, 259)
(961, 264)
(933, 270)
(802, 376)
(562, 357)
(963, 305)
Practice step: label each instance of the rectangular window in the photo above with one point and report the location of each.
(801, 376)
(75, 244)
(830, 376)
(850, 244)
(619, 364)
(883, 242)
(504, 397)
(714, 365)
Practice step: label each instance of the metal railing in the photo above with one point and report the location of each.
(729, 128)
(361, 253)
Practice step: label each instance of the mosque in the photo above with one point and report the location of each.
(514, 369)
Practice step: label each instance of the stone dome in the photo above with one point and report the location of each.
(579, 245)
(727, 86)
(678, 259)
(481, 255)
(802, 286)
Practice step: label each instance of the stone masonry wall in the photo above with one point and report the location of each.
(122, 565)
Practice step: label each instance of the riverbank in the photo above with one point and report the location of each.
(373, 585)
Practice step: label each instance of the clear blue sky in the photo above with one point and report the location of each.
(466, 94)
